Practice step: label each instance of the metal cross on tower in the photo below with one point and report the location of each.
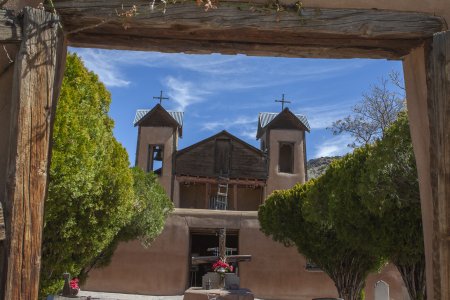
(283, 102)
(160, 97)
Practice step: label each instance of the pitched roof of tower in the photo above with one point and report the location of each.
(159, 116)
(267, 120)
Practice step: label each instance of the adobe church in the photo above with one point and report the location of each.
(220, 182)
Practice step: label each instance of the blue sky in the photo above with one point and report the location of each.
(219, 92)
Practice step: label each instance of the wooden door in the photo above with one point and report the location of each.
(222, 157)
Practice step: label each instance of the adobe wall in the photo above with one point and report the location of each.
(161, 269)
(281, 181)
(157, 135)
(275, 272)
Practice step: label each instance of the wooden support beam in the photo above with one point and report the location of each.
(236, 181)
(235, 196)
(207, 194)
(438, 82)
(212, 259)
(10, 29)
(2, 224)
(240, 27)
(37, 77)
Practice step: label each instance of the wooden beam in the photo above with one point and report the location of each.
(331, 48)
(238, 27)
(2, 224)
(235, 196)
(439, 115)
(196, 260)
(236, 181)
(37, 76)
(207, 192)
(10, 28)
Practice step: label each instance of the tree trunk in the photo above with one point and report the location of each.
(414, 278)
(349, 286)
(350, 275)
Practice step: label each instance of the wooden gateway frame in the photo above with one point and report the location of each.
(33, 44)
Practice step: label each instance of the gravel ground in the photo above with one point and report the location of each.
(113, 296)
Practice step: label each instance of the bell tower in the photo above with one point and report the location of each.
(282, 137)
(158, 132)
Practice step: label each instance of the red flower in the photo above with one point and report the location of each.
(221, 264)
(74, 284)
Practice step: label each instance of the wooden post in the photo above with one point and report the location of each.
(414, 69)
(37, 78)
(2, 224)
(222, 243)
(235, 195)
(439, 115)
(207, 192)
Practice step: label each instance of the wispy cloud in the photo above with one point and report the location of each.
(337, 145)
(215, 72)
(184, 93)
(240, 121)
(108, 73)
(243, 126)
(249, 133)
(323, 116)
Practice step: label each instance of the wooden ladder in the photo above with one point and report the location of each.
(220, 201)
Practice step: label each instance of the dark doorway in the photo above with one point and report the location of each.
(201, 241)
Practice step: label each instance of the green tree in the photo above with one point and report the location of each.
(151, 209)
(372, 198)
(390, 189)
(282, 216)
(90, 196)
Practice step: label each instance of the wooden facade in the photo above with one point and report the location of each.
(336, 29)
(197, 195)
(221, 155)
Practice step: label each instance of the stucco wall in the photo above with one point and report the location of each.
(275, 272)
(277, 180)
(158, 136)
(158, 270)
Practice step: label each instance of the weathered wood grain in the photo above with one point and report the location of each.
(215, 181)
(242, 28)
(2, 224)
(6, 83)
(126, 42)
(10, 29)
(199, 160)
(38, 72)
(439, 115)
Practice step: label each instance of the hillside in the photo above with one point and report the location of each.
(317, 166)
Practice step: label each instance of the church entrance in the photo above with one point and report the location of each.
(205, 242)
